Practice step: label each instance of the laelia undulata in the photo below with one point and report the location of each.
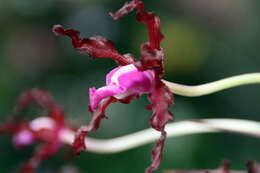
(130, 80)
(121, 83)
(46, 129)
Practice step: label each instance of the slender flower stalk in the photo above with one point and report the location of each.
(212, 87)
(175, 129)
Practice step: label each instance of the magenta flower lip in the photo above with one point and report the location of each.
(123, 82)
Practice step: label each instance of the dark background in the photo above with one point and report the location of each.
(204, 41)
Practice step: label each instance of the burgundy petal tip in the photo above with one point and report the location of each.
(113, 16)
(57, 29)
(127, 8)
(79, 142)
(78, 148)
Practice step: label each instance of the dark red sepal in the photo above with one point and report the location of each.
(160, 100)
(127, 8)
(153, 25)
(152, 54)
(151, 59)
(151, 21)
(79, 141)
(95, 47)
(157, 153)
(97, 116)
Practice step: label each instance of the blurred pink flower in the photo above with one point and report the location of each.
(46, 130)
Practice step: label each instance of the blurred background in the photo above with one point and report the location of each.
(204, 41)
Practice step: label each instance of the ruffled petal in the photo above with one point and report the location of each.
(161, 98)
(97, 115)
(152, 59)
(151, 21)
(127, 8)
(95, 47)
(152, 53)
(157, 153)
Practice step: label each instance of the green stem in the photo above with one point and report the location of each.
(212, 87)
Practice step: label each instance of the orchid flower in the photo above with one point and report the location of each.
(130, 80)
(47, 129)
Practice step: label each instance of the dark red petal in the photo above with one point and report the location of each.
(97, 116)
(151, 21)
(127, 8)
(151, 59)
(157, 153)
(152, 54)
(95, 47)
(153, 25)
(160, 100)
(79, 141)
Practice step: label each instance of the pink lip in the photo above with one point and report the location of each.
(122, 82)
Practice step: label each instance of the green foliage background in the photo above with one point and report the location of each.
(204, 41)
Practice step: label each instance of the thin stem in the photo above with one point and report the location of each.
(182, 128)
(208, 88)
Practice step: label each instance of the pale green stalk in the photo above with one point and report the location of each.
(175, 129)
(212, 87)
